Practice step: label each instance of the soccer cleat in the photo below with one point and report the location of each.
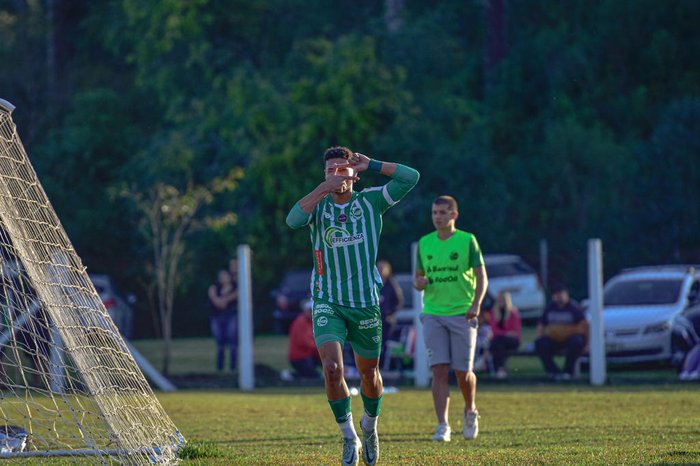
(443, 433)
(352, 448)
(470, 424)
(370, 447)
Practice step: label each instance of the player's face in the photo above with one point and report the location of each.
(442, 216)
(340, 167)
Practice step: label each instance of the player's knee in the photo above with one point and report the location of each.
(332, 370)
(441, 372)
(369, 374)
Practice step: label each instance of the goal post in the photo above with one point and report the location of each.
(69, 385)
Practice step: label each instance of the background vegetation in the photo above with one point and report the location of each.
(557, 120)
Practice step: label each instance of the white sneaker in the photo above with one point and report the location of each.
(443, 433)
(470, 425)
(352, 449)
(370, 447)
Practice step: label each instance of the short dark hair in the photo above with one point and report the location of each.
(337, 152)
(449, 201)
(558, 287)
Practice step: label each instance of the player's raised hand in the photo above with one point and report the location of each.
(359, 162)
(339, 181)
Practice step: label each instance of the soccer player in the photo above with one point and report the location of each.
(345, 227)
(450, 272)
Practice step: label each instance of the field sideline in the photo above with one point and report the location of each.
(519, 425)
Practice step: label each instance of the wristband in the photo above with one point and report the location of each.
(375, 166)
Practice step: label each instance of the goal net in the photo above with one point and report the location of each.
(68, 383)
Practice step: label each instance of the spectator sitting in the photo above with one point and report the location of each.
(303, 355)
(506, 328)
(390, 300)
(691, 365)
(562, 327)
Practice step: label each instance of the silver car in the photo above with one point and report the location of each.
(643, 313)
(508, 272)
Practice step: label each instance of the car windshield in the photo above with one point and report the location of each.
(508, 269)
(643, 292)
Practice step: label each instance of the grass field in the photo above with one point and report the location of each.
(530, 422)
(519, 425)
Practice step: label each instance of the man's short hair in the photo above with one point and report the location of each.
(558, 287)
(449, 201)
(337, 152)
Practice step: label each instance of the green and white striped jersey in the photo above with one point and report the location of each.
(345, 240)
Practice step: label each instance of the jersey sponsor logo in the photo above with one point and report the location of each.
(342, 218)
(369, 323)
(322, 321)
(451, 268)
(454, 255)
(448, 279)
(318, 254)
(346, 239)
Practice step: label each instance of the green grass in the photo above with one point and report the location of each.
(519, 425)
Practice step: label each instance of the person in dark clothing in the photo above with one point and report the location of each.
(223, 306)
(562, 328)
(390, 300)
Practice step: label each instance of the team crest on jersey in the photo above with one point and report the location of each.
(327, 215)
(356, 213)
(454, 256)
(340, 237)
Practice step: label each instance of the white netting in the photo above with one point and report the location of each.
(68, 384)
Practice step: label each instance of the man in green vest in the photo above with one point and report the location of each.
(450, 272)
(345, 226)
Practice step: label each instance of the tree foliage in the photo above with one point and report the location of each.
(584, 126)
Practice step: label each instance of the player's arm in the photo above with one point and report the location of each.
(420, 281)
(403, 178)
(482, 283)
(300, 215)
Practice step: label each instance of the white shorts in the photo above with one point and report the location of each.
(450, 340)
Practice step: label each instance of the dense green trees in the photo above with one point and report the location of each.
(583, 124)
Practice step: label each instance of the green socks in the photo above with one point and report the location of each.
(341, 409)
(372, 405)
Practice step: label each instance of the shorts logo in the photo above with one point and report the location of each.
(323, 309)
(342, 218)
(376, 339)
(369, 323)
(322, 321)
(345, 238)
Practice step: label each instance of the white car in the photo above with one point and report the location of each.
(643, 313)
(510, 272)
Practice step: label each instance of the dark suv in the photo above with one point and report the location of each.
(292, 290)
